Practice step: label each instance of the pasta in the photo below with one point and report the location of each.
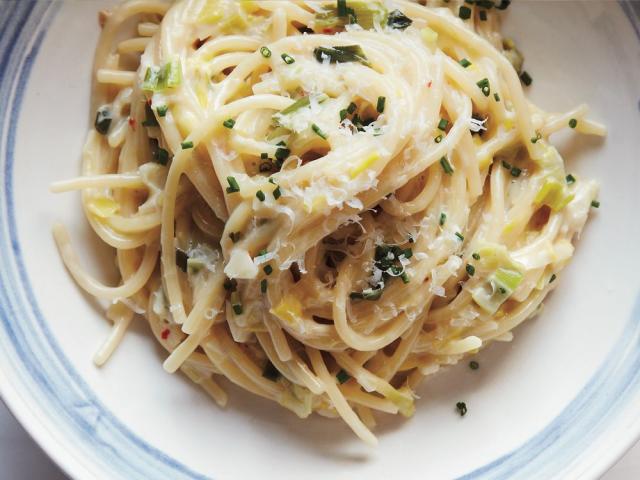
(324, 201)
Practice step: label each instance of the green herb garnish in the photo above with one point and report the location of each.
(464, 13)
(265, 52)
(342, 376)
(484, 86)
(526, 78)
(341, 54)
(446, 166)
(318, 131)
(103, 120)
(398, 20)
(233, 185)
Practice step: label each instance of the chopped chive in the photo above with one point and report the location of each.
(483, 15)
(465, 63)
(237, 308)
(405, 277)
(503, 4)
(496, 97)
(342, 376)
(233, 185)
(235, 236)
(462, 408)
(595, 204)
(398, 20)
(150, 119)
(162, 110)
(343, 115)
(230, 284)
(266, 53)
(103, 120)
(464, 13)
(342, 8)
(570, 179)
(573, 123)
(446, 166)
(381, 103)
(484, 86)
(506, 165)
(536, 138)
(288, 59)
(460, 236)
(316, 129)
(282, 154)
(553, 277)
(438, 139)
(264, 156)
(471, 270)
(476, 256)
(351, 108)
(442, 124)
(262, 252)
(161, 156)
(526, 78)
(263, 285)
(229, 123)
(277, 193)
(341, 54)
(473, 365)
(182, 259)
(268, 269)
(186, 145)
(270, 372)
(443, 219)
(515, 172)
(260, 195)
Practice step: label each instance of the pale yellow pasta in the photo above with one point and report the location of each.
(321, 201)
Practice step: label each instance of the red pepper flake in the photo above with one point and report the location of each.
(327, 30)
(429, 84)
(165, 333)
(132, 123)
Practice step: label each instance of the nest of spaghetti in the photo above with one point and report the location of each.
(322, 202)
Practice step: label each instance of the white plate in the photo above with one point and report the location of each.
(560, 401)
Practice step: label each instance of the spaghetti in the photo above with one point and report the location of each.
(322, 202)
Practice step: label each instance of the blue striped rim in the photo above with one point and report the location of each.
(66, 398)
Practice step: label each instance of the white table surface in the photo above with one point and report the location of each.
(22, 459)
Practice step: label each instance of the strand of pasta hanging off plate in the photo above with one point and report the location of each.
(324, 201)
